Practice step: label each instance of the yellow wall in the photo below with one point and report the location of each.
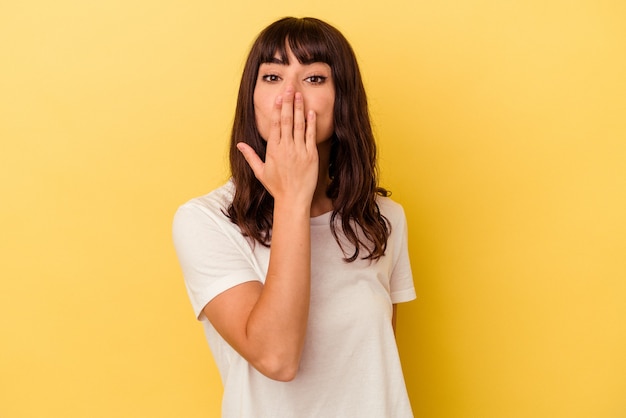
(502, 129)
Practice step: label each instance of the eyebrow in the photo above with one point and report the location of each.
(278, 61)
(275, 60)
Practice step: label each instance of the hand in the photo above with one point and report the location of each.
(290, 170)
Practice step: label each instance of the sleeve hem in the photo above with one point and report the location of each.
(223, 285)
(403, 295)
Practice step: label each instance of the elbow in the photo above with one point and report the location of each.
(283, 375)
(279, 369)
(275, 358)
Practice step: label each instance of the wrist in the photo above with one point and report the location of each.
(292, 208)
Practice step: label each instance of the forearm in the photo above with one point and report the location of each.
(277, 323)
(270, 323)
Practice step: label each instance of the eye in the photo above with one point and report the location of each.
(316, 79)
(270, 78)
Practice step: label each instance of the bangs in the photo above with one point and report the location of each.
(305, 37)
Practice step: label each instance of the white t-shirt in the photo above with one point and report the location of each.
(350, 365)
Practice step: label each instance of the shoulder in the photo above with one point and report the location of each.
(201, 226)
(217, 199)
(390, 209)
(207, 209)
(215, 202)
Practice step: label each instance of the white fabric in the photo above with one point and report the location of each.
(350, 365)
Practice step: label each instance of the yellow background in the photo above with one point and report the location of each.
(502, 131)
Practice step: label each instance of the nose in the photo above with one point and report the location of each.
(288, 87)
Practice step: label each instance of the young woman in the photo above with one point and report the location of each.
(295, 266)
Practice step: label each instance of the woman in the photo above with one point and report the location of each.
(295, 265)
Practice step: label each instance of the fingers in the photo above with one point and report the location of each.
(290, 167)
(255, 163)
(274, 134)
(311, 130)
(298, 119)
(286, 114)
(288, 120)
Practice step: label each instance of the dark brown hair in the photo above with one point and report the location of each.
(353, 172)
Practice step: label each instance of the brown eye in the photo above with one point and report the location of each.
(316, 79)
(270, 78)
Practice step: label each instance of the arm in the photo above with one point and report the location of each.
(266, 323)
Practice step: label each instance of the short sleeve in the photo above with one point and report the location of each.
(213, 254)
(402, 288)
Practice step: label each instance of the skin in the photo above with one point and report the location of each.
(313, 91)
(266, 323)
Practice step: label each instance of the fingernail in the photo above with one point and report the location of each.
(279, 99)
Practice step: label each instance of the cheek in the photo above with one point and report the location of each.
(321, 105)
(325, 127)
(324, 108)
(261, 115)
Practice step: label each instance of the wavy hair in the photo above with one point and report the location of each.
(353, 172)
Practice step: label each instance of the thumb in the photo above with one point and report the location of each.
(251, 157)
